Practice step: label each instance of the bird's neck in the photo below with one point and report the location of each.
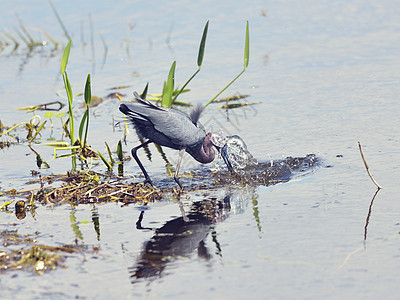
(204, 152)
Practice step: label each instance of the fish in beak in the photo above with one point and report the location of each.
(220, 143)
(225, 156)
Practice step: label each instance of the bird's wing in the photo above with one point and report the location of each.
(145, 102)
(175, 126)
(140, 110)
(178, 127)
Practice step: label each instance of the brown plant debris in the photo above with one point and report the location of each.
(232, 98)
(33, 256)
(86, 187)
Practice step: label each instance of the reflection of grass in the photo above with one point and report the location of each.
(21, 35)
(75, 224)
(59, 20)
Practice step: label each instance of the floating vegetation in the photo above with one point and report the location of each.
(86, 187)
(94, 192)
(46, 106)
(237, 105)
(33, 128)
(34, 257)
(234, 105)
(114, 95)
(94, 101)
(232, 98)
(6, 144)
(119, 87)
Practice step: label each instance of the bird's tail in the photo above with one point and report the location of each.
(196, 113)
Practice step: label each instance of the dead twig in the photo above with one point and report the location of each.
(369, 215)
(366, 166)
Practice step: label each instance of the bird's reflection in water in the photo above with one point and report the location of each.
(179, 238)
(183, 236)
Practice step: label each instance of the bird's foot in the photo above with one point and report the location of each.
(148, 182)
(178, 192)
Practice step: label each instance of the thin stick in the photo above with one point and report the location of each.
(366, 166)
(369, 215)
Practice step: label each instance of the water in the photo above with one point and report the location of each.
(238, 155)
(326, 76)
(246, 170)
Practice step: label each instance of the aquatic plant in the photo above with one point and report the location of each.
(85, 119)
(84, 124)
(63, 65)
(168, 88)
(200, 57)
(246, 63)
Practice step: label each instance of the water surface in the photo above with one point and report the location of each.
(326, 76)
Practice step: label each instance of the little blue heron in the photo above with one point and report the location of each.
(173, 129)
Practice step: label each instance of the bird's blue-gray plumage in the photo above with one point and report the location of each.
(166, 127)
(171, 128)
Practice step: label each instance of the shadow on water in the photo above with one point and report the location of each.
(185, 236)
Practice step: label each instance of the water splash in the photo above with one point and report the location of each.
(247, 170)
(238, 155)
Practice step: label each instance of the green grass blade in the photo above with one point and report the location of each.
(70, 109)
(171, 83)
(82, 126)
(164, 94)
(68, 88)
(247, 47)
(64, 59)
(183, 88)
(246, 63)
(119, 151)
(88, 98)
(169, 87)
(37, 132)
(108, 165)
(88, 93)
(202, 46)
(199, 60)
(109, 153)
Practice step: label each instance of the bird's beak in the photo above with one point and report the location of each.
(224, 155)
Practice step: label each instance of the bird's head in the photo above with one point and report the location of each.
(220, 143)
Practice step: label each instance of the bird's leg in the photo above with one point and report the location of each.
(134, 155)
(176, 175)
